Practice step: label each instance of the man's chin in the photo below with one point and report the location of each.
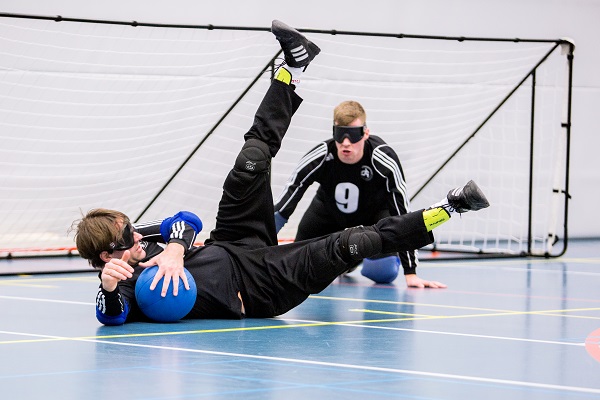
(347, 159)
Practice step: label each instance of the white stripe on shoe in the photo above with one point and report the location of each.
(299, 53)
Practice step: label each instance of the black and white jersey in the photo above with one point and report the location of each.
(348, 194)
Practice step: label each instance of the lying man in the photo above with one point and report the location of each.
(241, 271)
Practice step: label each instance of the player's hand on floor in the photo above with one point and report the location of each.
(412, 280)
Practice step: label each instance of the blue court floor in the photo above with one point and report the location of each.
(503, 329)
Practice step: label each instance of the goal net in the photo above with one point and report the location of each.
(149, 119)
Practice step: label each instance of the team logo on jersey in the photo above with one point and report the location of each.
(366, 173)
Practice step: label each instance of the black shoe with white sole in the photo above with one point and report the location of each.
(297, 49)
(467, 198)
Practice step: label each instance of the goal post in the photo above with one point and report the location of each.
(148, 118)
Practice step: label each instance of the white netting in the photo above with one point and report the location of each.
(96, 115)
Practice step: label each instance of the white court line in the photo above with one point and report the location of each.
(345, 324)
(47, 300)
(443, 333)
(518, 261)
(516, 269)
(336, 365)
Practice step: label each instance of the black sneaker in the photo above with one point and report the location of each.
(467, 198)
(297, 49)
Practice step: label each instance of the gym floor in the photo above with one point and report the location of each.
(503, 329)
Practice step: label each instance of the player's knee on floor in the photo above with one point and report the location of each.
(254, 157)
(359, 242)
(381, 270)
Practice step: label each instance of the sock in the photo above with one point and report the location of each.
(445, 205)
(289, 75)
(434, 217)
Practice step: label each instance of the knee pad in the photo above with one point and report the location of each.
(381, 270)
(359, 242)
(254, 157)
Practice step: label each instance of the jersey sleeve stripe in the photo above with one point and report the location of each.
(389, 163)
(318, 152)
(147, 224)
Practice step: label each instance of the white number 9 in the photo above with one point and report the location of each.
(346, 197)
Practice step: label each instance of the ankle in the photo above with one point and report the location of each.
(435, 216)
(443, 204)
(289, 75)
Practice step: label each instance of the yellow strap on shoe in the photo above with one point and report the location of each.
(434, 217)
(284, 76)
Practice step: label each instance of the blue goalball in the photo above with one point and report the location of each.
(381, 270)
(164, 309)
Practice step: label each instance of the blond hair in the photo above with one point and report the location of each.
(348, 111)
(95, 231)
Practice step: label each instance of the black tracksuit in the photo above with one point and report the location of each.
(242, 254)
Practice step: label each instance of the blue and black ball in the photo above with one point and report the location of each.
(164, 309)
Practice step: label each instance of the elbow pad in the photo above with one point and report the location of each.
(187, 217)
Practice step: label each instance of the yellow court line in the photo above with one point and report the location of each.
(411, 317)
(518, 261)
(571, 310)
(573, 316)
(406, 303)
(450, 306)
(587, 260)
(492, 312)
(415, 317)
(497, 314)
(222, 330)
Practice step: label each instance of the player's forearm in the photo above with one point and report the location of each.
(111, 308)
(175, 248)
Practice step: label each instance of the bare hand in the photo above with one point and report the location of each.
(412, 280)
(170, 266)
(115, 271)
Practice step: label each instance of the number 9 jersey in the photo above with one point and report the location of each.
(349, 194)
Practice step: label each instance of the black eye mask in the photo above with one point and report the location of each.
(353, 133)
(126, 241)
